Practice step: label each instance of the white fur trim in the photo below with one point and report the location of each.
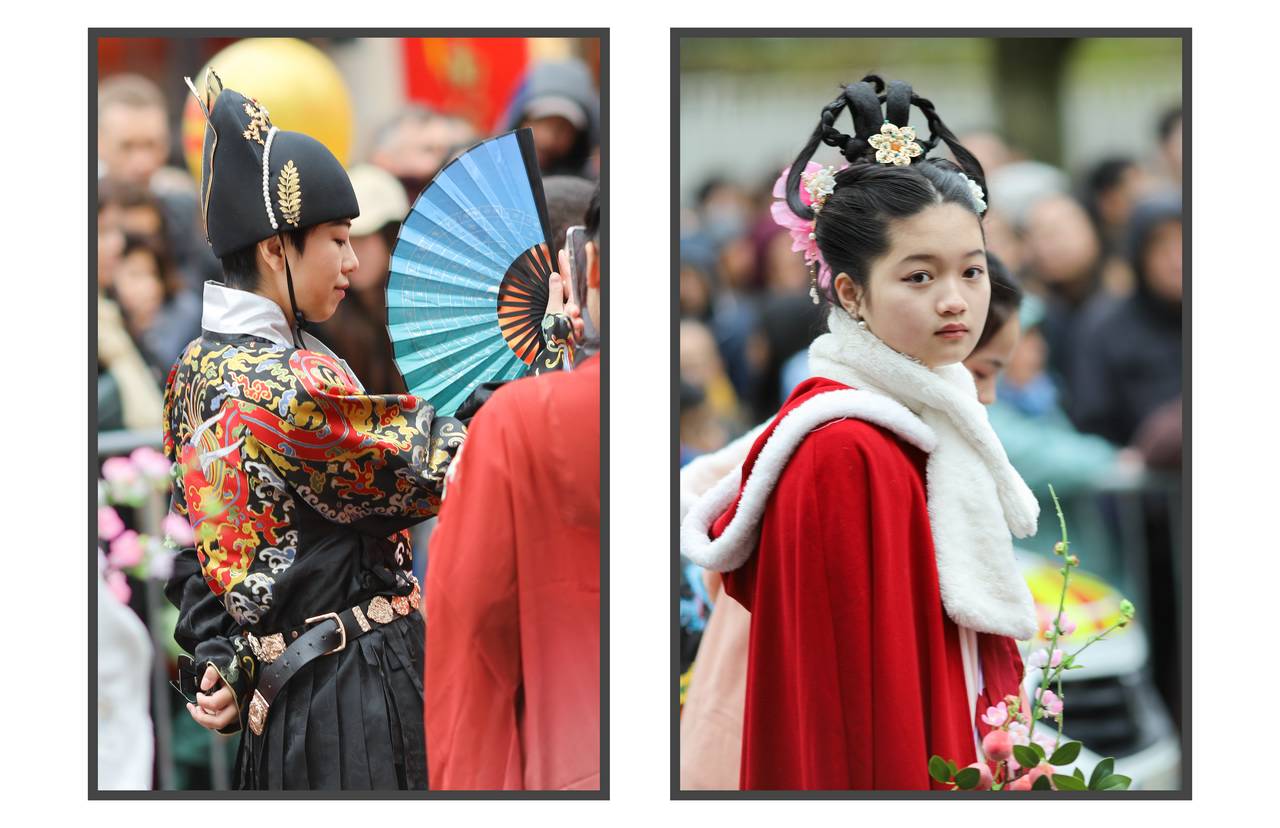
(975, 497)
(732, 549)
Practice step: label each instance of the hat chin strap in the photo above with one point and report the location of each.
(300, 321)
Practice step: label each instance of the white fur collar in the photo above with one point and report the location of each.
(975, 497)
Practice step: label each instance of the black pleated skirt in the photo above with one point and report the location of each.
(349, 721)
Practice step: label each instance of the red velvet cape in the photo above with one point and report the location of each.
(854, 674)
(512, 679)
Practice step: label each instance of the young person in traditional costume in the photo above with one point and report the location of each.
(297, 601)
(868, 529)
(513, 586)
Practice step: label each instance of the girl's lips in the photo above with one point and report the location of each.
(956, 334)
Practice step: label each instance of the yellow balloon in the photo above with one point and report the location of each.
(297, 83)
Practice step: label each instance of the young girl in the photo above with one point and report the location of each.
(868, 530)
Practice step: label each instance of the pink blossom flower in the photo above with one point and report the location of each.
(997, 745)
(996, 716)
(177, 529)
(126, 550)
(119, 470)
(119, 586)
(1057, 658)
(109, 523)
(1018, 732)
(1065, 625)
(1038, 659)
(984, 776)
(150, 463)
(1049, 702)
(1048, 741)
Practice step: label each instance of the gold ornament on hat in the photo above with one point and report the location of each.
(289, 193)
(259, 122)
(895, 145)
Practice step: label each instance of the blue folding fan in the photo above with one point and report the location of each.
(468, 284)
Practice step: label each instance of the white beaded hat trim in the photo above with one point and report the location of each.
(266, 178)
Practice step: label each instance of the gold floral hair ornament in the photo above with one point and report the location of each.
(289, 192)
(895, 145)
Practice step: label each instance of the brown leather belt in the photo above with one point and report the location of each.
(318, 636)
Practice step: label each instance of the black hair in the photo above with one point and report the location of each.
(567, 199)
(1006, 298)
(852, 226)
(240, 267)
(592, 218)
(155, 247)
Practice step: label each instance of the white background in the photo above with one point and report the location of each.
(46, 448)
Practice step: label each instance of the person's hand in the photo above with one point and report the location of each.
(216, 710)
(560, 298)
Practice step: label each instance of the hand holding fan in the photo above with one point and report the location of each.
(468, 284)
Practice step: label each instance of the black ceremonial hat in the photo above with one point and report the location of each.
(303, 184)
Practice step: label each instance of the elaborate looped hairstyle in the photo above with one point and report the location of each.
(851, 229)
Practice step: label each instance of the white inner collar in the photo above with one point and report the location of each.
(231, 311)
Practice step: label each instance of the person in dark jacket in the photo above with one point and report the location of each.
(559, 102)
(1128, 358)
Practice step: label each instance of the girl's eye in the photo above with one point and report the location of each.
(918, 278)
(974, 272)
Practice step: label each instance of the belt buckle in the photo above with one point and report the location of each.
(342, 630)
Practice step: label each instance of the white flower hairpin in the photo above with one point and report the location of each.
(975, 190)
(819, 184)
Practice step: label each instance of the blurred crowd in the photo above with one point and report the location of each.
(1090, 399)
(153, 259)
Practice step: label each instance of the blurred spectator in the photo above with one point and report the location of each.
(559, 102)
(1063, 259)
(1129, 355)
(1169, 133)
(994, 348)
(990, 149)
(1016, 187)
(1110, 189)
(133, 128)
(701, 430)
(160, 314)
(417, 143)
(358, 329)
(701, 366)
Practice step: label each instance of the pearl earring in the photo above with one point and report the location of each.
(862, 323)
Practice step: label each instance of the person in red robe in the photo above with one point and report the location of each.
(512, 680)
(868, 530)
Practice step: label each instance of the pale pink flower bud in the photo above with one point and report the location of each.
(150, 463)
(177, 529)
(1065, 624)
(119, 586)
(1049, 702)
(997, 745)
(1022, 783)
(1057, 658)
(1038, 659)
(109, 523)
(126, 550)
(119, 470)
(985, 779)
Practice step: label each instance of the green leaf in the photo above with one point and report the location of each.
(1067, 783)
(938, 769)
(968, 779)
(1066, 754)
(1039, 751)
(951, 769)
(1100, 772)
(1115, 782)
(1026, 756)
(1041, 784)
